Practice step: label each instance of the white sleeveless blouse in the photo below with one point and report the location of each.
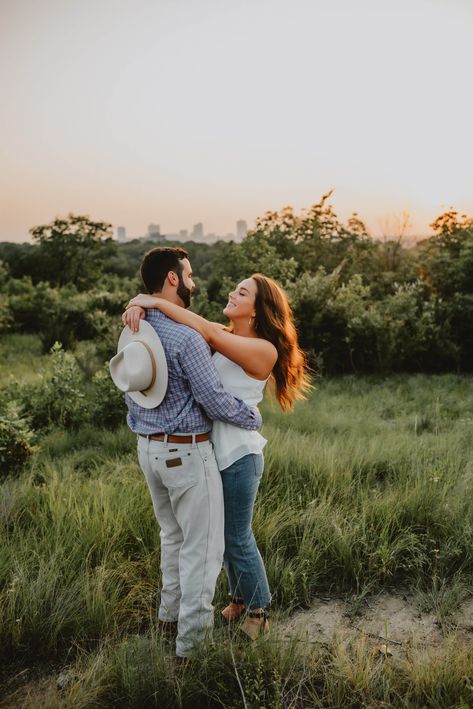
(231, 442)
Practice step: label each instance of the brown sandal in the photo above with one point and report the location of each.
(256, 623)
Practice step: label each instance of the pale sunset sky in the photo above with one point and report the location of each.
(179, 111)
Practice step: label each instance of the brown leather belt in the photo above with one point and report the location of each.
(175, 438)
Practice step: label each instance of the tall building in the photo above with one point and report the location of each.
(198, 232)
(121, 233)
(241, 229)
(154, 230)
(183, 234)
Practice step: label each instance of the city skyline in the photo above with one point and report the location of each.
(213, 110)
(197, 233)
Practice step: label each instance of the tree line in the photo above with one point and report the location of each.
(361, 305)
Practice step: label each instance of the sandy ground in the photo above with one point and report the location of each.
(392, 621)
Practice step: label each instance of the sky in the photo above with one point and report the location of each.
(180, 111)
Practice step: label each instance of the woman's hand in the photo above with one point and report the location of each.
(144, 301)
(132, 316)
(135, 310)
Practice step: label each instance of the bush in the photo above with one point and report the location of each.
(59, 399)
(71, 394)
(15, 440)
(6, 319)
(107, 404)
(64, 314)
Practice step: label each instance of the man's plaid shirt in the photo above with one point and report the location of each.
(194, 395)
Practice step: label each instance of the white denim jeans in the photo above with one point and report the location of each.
(186, 490)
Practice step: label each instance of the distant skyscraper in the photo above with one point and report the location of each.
(121, 233)
(241, 229)
(154, 230)
(198, 232)
(183, 234)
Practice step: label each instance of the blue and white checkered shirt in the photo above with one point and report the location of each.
(194, 396)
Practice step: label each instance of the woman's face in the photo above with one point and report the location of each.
(241, 301)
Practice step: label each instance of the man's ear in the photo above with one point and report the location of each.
(172, 278)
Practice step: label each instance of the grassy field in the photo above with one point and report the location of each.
(367, 486)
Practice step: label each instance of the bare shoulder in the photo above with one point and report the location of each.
(257, 345)
(255, 355)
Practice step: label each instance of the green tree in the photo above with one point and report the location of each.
(317, 238)
(233, 262)
(446, 266)
(448, 255)
(74, 250)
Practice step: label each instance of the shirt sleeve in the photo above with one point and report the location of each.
(208, 391)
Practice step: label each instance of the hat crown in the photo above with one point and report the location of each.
(134, 366)
(139, 368)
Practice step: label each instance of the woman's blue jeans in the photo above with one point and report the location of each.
(242, 560)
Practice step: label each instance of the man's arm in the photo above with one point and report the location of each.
(208, 391)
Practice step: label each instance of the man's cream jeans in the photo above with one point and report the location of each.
(186, 490)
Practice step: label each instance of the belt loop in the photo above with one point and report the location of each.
(165, 437)
(194, 441)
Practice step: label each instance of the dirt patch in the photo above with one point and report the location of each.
(398, 619)
(392, 620)
(465, 617)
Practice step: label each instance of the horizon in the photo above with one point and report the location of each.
(176, 113)
(396, 226)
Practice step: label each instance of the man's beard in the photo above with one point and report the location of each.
(184, 292)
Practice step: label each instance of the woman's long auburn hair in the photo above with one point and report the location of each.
(274, 321)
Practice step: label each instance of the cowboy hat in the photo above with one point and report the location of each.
(139, 368)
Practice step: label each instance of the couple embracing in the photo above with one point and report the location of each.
(199, 449)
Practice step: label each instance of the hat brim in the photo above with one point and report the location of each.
(156, 393)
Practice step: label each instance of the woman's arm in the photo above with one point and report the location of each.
(177, 313)
(255, 355)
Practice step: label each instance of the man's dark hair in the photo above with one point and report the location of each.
(156, 265)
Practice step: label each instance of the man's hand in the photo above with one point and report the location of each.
(132, 316)
(143, 300)
(257, 415)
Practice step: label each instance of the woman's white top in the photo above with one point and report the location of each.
(231, 442)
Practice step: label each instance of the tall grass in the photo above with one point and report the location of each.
(137, 672)
(367, 486)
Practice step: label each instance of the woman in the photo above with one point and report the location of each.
(261, 343)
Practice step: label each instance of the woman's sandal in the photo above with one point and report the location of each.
(256, 623)
(234, 610)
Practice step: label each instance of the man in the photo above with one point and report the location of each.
(177, 458)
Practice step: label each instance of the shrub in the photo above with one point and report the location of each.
(107, 404)
(6, 319)
(60, 398)
(15, 440)
(71, 394)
